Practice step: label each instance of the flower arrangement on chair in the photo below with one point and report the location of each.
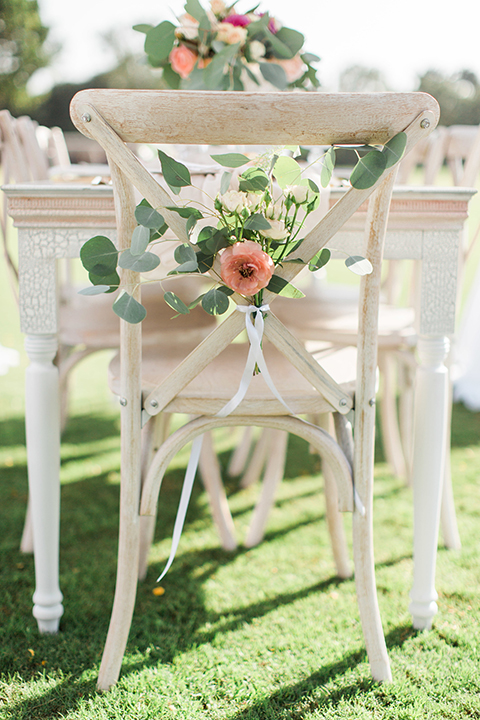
(219, 48)
(254, 229)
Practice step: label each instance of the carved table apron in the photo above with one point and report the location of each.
(53, 222)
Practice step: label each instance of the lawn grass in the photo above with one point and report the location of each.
(267, 633)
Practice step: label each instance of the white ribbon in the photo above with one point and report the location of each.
(255, 358)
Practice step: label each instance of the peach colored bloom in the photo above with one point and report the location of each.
(183, 60)
(231, 34)
(294, 67)
(217, 6)
(203, 62)
(245, 268)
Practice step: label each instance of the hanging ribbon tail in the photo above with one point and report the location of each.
(184, 500)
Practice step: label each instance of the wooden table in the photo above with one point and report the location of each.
(53, 222)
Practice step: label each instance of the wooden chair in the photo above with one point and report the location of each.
(197, 384)
(85, 326)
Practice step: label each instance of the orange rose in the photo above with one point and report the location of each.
(182, 60)
(245, 268)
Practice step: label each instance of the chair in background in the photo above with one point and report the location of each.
(202, 382)
(88, 325)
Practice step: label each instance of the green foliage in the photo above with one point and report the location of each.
(22, 51)
(458, 96)
(129, 309)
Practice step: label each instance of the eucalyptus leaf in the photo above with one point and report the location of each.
(140, 240)
(218, 241)
(194, 8)
(184, 253)
(225, 182)
(292, 39)
(94, 290)
(215, 70)
(99, 255)
(175, 303)
(186, 212)
(111, 281)
(287, 171)
(148, 216)
(309, 58)
(205, 260)
(280, 286)
(279, 48)
(274, 74)
(191, 266)
(368, 170)
(142, 27)
(176, 174)
(253, 180)
(215, 302)
(231, 160)
(159, 41)
(359, 265)
(395, 148)
(319, 260)
(129, 309)
(256, 222)
(328, 164)
(195, 302)
(138, 263)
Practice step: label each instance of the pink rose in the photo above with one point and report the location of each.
(182, 60)
(238, 20)
(245, 268)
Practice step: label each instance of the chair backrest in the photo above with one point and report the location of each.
(115, 118)
(462, 154)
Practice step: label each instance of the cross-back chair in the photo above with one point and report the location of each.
(199, 384)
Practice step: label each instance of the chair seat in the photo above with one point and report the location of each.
(90, 321)
(314, 318)
(218, 383)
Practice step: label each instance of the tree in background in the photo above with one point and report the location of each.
(457, 95)
(22, 38)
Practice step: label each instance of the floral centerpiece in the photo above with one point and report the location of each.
(253, 229)
(219, 48)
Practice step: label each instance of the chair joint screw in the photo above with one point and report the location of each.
(342, 402)
(425, 124)
(371, 402)
(123, 401)
(154, 403)
(86, 117)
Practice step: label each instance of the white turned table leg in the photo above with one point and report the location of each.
(43, 456)
(429, 452)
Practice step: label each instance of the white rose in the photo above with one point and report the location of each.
(188, 27)
(233, 201)
(231, 34)
(299, 193)
(218, 6)
(277, 230)
(275, 210)
(257, 50)
(252, 200)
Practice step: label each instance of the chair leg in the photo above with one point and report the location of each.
(153, 435)
(239, 457)
(272, 478)
(212, 481)
(389, 416)
(334, 516)
(26, 543)
(257, 461)
(367, 596)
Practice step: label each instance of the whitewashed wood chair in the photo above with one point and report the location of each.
(88, 325)
(197, 385)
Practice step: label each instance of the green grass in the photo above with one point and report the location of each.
(267, 633)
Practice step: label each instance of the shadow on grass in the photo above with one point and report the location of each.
(88, 565)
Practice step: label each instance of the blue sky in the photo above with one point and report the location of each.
(401, 39)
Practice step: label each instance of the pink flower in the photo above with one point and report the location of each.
(245, 268)
(183, 60)
(238, 20)
(294, 67)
